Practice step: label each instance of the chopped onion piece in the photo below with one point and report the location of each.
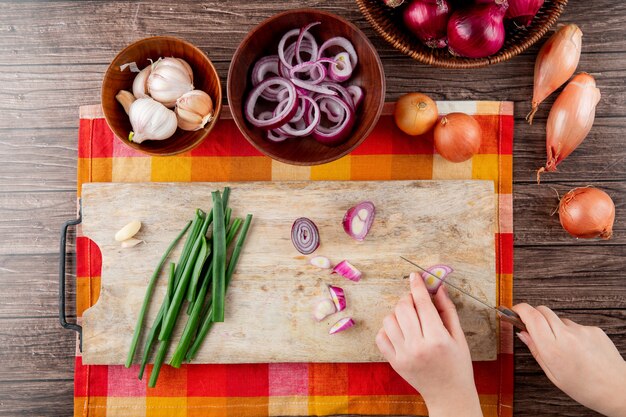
(321, 262)
(324, 309)
(439, 271)
(338, 296)
(343, 324)
(305, 236)
(358, 220)
(347, 270)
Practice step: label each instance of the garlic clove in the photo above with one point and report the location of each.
(132, 242)
(169, 80)
(151, 120)
(140, 88)
(126, 99)
(128, 231)
(194, 110)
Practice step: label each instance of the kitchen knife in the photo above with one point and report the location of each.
(504, 313)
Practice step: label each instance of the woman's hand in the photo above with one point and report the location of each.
(580, 360)
(424, 343)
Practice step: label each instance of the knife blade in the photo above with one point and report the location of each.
(504, 313)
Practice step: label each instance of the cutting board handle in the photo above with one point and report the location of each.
(62, 318)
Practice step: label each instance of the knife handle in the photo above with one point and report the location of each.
(512, 317)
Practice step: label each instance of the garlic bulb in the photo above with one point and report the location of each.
(169, 79)
(194, 110)
(140, 83)
(151, 120)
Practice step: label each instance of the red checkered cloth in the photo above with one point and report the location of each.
(293, 389)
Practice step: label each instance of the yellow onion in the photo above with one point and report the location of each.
(570, 119)
(587, 212)
(556, 62)
(457, 137)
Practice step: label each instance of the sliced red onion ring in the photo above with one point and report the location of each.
(347, 270)
(358, 220)
(264, 66)
(340, 131)
(323, 309)
(338, 296)
(343, 324)
(357, 94)
(284, 115)
(316, 88)
(439, 271)
(305, 236)
(342, 43)
(310, 124)
(313, 69)
(341, 90)
(332, 110)
(293, 32)
(320, 262)
(342, 71)
(303, 32)
(275, 136)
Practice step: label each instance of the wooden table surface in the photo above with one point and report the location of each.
(52, 58)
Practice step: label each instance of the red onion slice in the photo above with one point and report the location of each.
(316, 88)
(275, 136)
(303, 32)
(358, 220)
(320, 262)
(338, 296)
(314, 69)
(342, 71)
(343, 324)
(340, 131)
(356, 93)
(332, 110)
(347, 270)
(284, 115)
(341, 91)
(312, 121)
(264, 66)
(432, 283)
(342, 43)
(305, 236)
(293, 32)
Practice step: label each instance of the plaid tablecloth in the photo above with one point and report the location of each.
(290, 388)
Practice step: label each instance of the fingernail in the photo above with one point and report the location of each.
(523, 338)
(412, 276)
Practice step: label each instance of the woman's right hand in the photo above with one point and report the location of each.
(580, 360)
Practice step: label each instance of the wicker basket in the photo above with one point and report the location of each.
(388, 23)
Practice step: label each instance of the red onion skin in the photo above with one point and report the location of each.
(523, 11)
(428, 20)
(478, 31)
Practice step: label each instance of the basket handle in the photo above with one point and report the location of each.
(62, 317)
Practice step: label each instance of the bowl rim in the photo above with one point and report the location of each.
(241, 125)
(217, 109)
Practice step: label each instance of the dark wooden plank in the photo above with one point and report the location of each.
(29, 285)
(38, 159)
(36, 348)
(31, 398)
(60, 32)
(534, 225)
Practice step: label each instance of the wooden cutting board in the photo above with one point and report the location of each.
(270, 300)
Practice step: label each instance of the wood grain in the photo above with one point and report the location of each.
(53, 56)
(279, 309)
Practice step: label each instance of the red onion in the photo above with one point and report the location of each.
(339, 131)
(303, 32)
(343, 324)
(523, 11)
(428, 20)
(308, 67)
(358, 220)
(356, 93)
(293, 32)
(305, 128)
(279, 119)
(338, 296)
(316, 88)
(347, 270)
(440, 273)
(478, 31)
(305, 236)
(342, 91)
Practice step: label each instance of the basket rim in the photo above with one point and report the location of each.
(455, 63)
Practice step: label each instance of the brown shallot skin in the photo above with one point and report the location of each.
(587, 212)
(570, 119)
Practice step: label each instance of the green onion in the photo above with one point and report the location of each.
(198, 221)
(146, 300)
(169, 320)
(158, 362)
(227, 214)
(225, 195)
(232, 231)
(206, 322)
(219, 259)
(205, 251)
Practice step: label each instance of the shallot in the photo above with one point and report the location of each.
(555, 64)
(587, 212)
(338, 296)
(343, 324)
(570, 119)
(435, 277)
(358, 220)
(347, 270)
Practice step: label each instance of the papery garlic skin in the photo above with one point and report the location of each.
(194, 110)
(151, 120)
(169, 79)
(140, 83)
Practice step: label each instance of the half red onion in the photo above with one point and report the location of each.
(358, 220)
(305, 236)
